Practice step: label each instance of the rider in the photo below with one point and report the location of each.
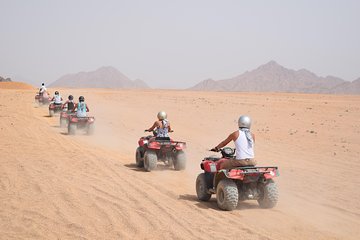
(42, 89)
(57, 98)
(162, 126)
(69, 104)
(81, 108)
(244, 143)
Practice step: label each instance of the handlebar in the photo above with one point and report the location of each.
(146, 130)
(225, 152)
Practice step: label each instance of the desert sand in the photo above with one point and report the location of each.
(15, 85)
(55, 186)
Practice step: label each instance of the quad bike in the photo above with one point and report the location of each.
(37, 97)
(54, 108)
(42, 100)
(152, 149)
(237, 184)
(85, 123)
(64, 117)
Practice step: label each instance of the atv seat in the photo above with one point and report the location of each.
(162, 139)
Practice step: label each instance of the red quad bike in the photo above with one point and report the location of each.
(37, 97)
(237, 184)
(86, 123)
(43, 100)
(54, 108)
(152, 149)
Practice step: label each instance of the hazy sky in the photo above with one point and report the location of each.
(177, 43)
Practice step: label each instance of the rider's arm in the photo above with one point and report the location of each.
(253, 136)
(87, 109)
(169, 127)
(231, 137)
(153, 127)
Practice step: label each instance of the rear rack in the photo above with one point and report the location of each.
(169, 141)
(258, 170)
(254, 167)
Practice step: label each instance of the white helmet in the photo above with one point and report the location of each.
(162, 115)
(244, 122)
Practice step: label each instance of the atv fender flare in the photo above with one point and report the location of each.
(218, 177)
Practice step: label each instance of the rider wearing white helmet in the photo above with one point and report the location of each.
(42, 89)
(162, 126)
(244, 143)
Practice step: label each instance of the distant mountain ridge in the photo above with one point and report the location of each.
(272, 77)
(5, 79)
(104, 77)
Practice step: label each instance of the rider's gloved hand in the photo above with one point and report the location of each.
(215, 149)
(146, 130)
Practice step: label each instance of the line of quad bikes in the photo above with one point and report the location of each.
(229, 185)
(67, 118)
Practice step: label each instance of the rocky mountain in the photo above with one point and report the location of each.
(104, 77)
(347, 88)
(272, 77)
(5, 79)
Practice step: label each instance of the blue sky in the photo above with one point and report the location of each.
(175, 44)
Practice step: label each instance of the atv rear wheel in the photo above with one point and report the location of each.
(268, 194)
(180, 161)
(90, 129)
(72, 128)
(150, 160)
(51, 113)
(138, 157)
(227, 195)
(201, 188)
(63, 122)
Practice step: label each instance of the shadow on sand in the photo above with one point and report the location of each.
(133, 167)
(211, 204)
(159, 167)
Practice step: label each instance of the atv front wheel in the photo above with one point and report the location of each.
(268, 194)
(180, 161)
(72, 128)
(227, 195)
(201, 188)
(138, 157)
(51, 113)
(150, 160)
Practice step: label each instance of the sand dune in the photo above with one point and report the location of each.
(15, 85)
(55, 186)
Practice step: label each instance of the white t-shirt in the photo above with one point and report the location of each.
(243, 148)
(57, 99)
(42, 89)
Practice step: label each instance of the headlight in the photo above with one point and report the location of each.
(145, 141)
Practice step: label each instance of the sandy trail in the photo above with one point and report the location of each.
(54, 186)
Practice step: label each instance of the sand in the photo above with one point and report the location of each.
(55, 186)
(15, 85)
